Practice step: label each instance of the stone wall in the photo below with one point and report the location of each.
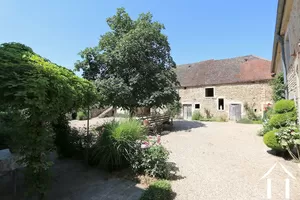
(293, 28)
(290, 30)
(293, 35)
(292, 82)
(255, 94)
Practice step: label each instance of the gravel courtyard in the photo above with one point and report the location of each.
(216, 161)
(220, 161)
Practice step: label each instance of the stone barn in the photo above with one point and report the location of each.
(223, 87)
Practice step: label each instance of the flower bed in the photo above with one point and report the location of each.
(150, 141)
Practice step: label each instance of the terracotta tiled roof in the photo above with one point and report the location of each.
(226, 71)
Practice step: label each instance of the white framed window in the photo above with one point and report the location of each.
(210, 92)
(221, 104)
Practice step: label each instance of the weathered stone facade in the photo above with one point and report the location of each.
(292, 38)
(289, 31)
(255, 94)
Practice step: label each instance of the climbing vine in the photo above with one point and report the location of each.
(39, 92)
(278, 87)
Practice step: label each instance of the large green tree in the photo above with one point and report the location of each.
(132, 64)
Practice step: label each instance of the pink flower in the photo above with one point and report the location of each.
(158, 139)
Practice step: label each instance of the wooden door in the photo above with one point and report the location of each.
(187, 111)
(235, 112)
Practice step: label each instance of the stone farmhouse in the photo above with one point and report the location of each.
(286, 47)
(224, 86)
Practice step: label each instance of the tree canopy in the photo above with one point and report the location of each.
(132, 65)
(28, 80)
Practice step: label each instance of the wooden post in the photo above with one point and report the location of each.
(87, 136)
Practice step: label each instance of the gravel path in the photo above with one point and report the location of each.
(94, 122)
(221, 161)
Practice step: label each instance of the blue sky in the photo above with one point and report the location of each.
(197, 29)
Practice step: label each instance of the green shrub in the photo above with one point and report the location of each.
(245, 121)
(10, 127)
(6, 129)
(151, 161)
(173, 109)
(197, 115)
(257, 122)
(271, 141)
(268, 113)
(159, 190)
(81, 115)
(284, 106)
(289, 138)
(278, 87)
(215, 119)
(281, 120)
(68, 141)
(266, 128)
(248, 121)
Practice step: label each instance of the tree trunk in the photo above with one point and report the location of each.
(131, 112)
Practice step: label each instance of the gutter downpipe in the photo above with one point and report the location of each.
(278, 38)
(284, 69)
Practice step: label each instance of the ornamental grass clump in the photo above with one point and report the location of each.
(116, 143)
(129, 129)
(124, 144)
